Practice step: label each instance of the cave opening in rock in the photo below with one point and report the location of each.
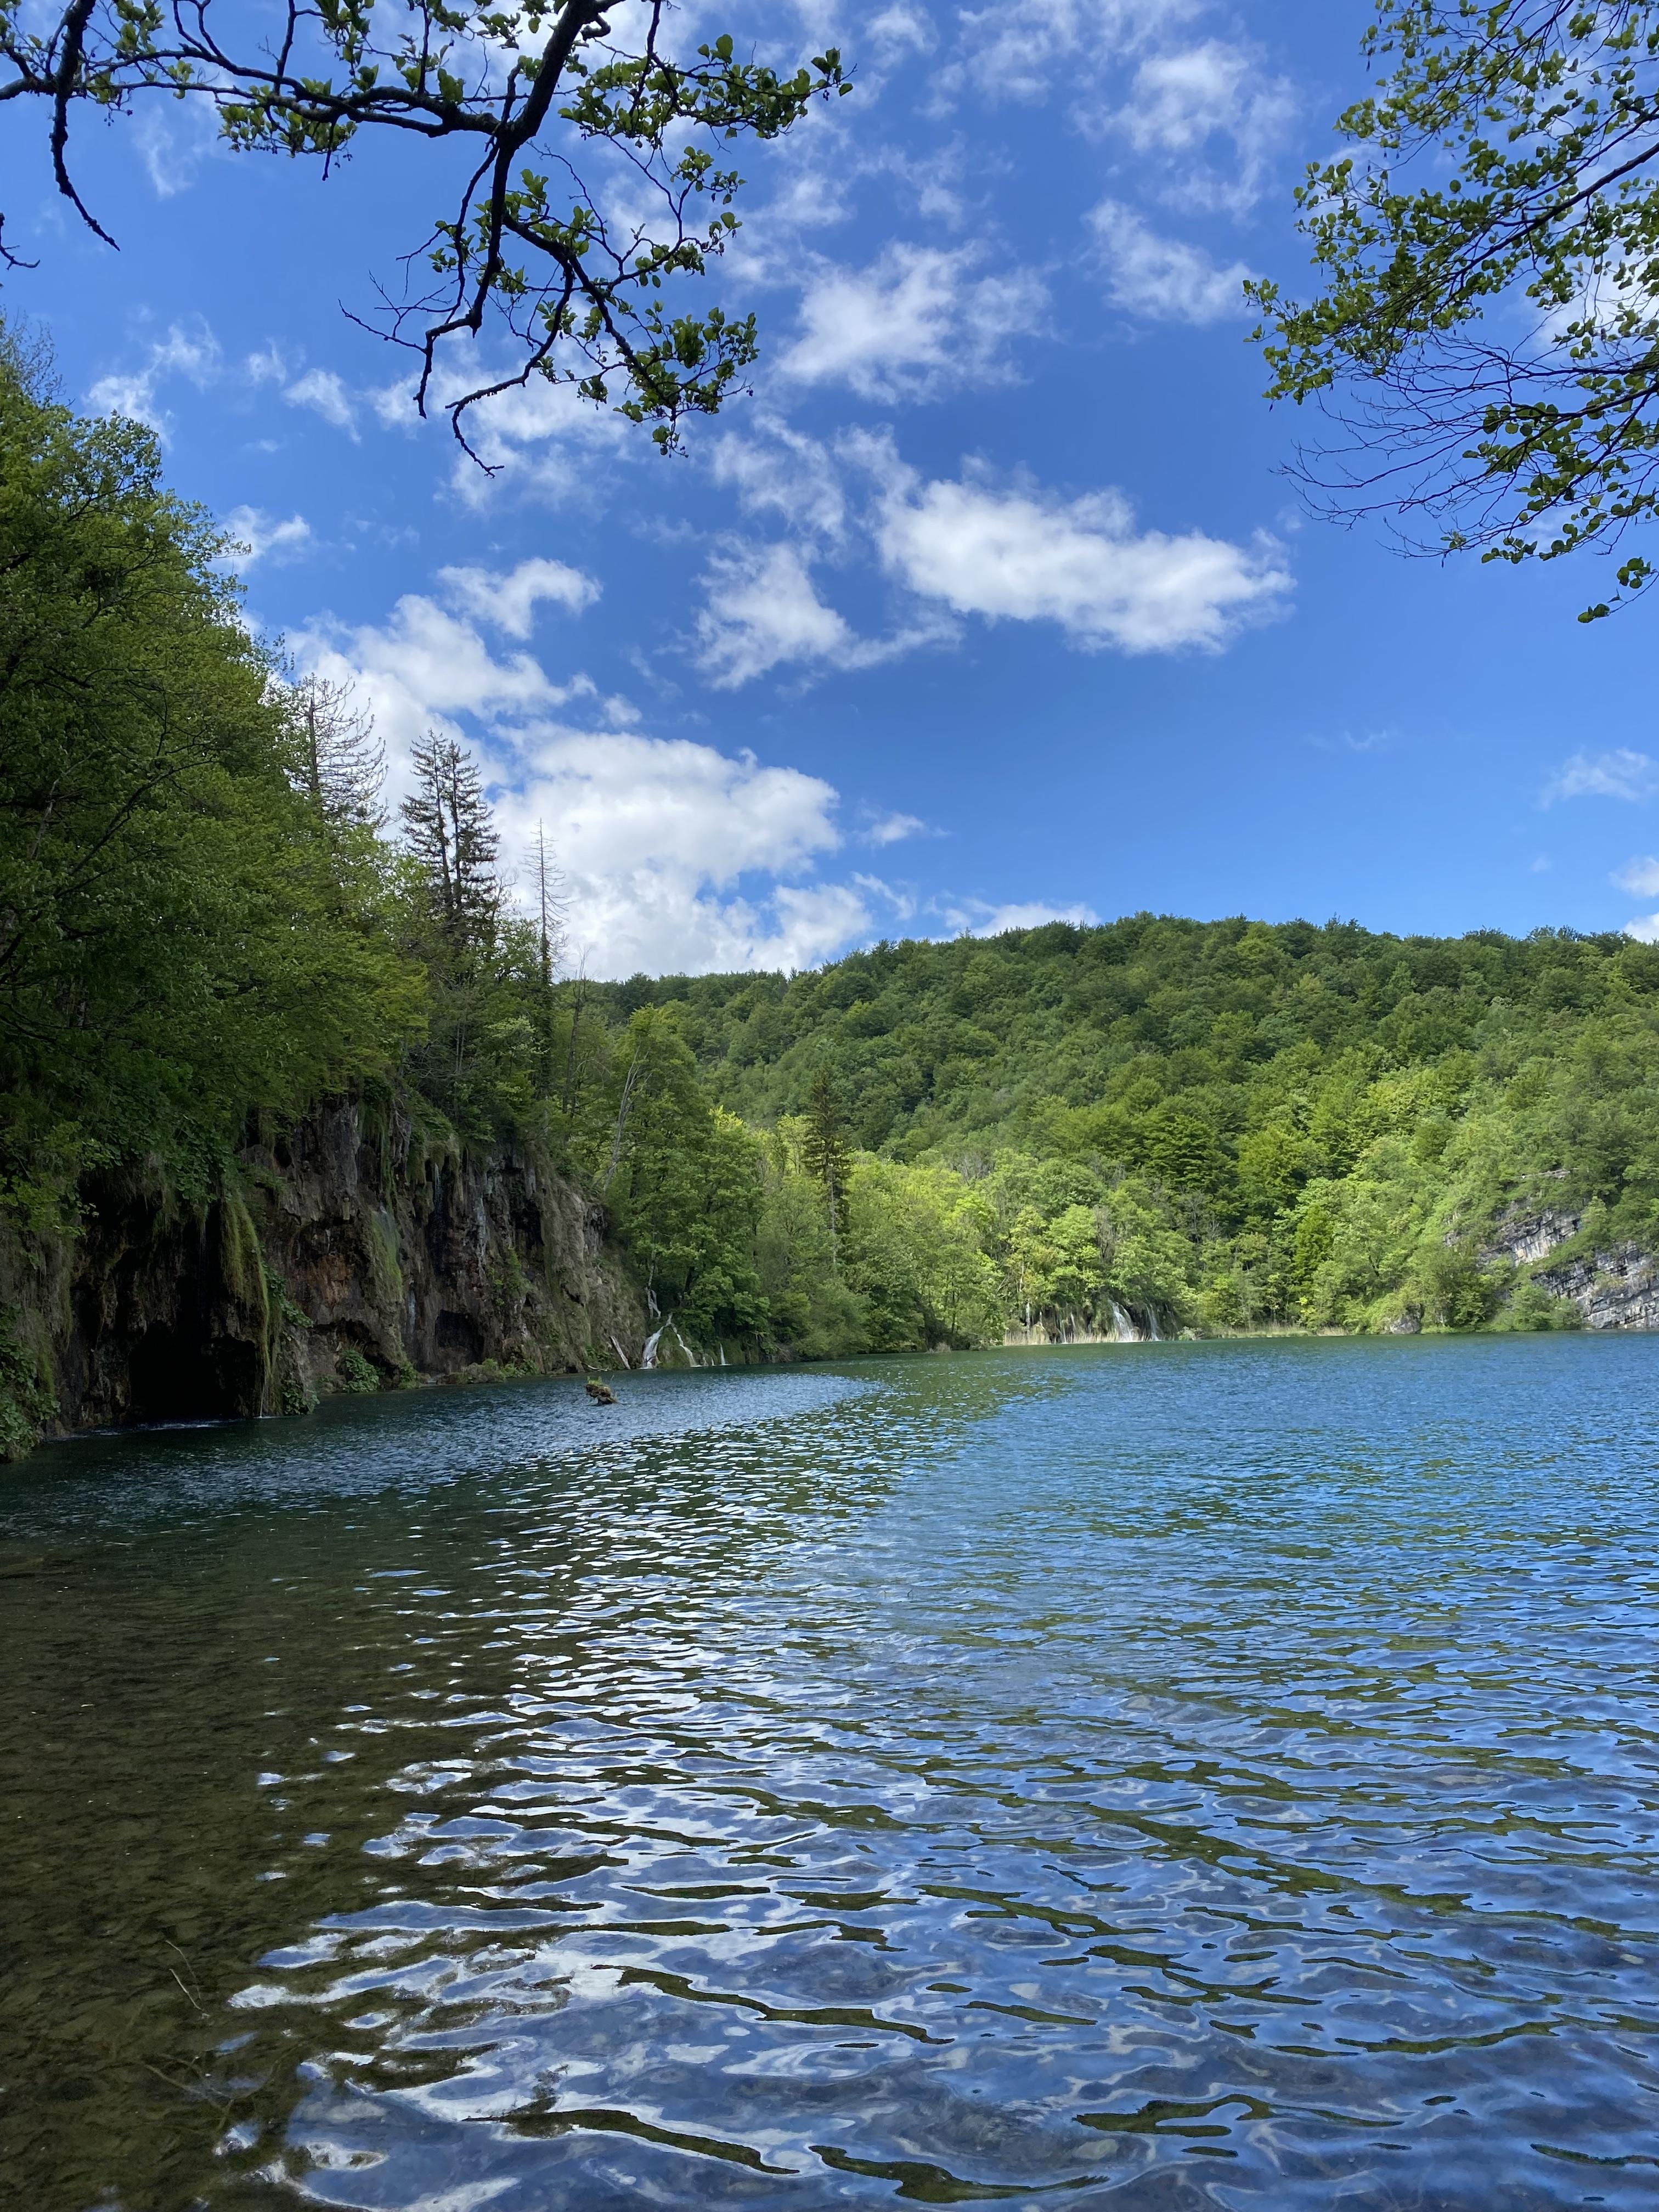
(176, 1376)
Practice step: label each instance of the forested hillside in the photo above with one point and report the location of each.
(217, 944)
(1289, 1124)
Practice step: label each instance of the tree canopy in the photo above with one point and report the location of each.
(554, 104)
(189, 929)
(1486, 338)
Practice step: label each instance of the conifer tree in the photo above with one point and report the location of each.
(826, 1148)
(550, 909)
(450, 829)
(343, 762)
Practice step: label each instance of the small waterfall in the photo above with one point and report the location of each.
(1123, 1329)
(648, 1358)
(690, 1356)
(1152, 1324)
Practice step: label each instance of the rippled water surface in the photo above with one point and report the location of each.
(1148, 1777)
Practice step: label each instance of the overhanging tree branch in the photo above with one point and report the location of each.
(576, 292)
(1487, 340)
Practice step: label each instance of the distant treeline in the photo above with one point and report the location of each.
(207, 923)
(1233, 1122)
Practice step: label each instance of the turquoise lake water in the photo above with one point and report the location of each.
(1143, 1777)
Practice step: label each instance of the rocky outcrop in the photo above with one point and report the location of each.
(1614, 1286)
(1527, 1237)
(337, 1257)
(1614, 1289)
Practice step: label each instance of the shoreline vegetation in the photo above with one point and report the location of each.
(318, 1071)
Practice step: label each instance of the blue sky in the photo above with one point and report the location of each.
(992, 603)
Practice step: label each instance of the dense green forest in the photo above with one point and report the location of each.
(207, 922)
(1224, 1124)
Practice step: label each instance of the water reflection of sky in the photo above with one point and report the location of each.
(1166, 1777)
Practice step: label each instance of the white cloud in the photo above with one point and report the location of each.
(326, 395)
(979, 918)
(1182, 101)
(425, 667)
(193, 353)
(265, 367)
(1621, 773)
(763, 610)
(660, 841)
(626, 800)
(1017, 51)
(915, 318)
(1644, 929)
(675, 855)
(1640, 877)
(173, 145)
(1165, 278)
(259, 534)
(898, 30)
(778, 469)
(509, 601)
(1084, 564)
(889, 829)
(545, 435)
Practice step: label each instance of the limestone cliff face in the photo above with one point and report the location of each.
(337, 1259)
(1614, 1286)
(1615, 1289)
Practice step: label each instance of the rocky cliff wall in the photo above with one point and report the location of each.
(1614, 1286)
(337, 1257)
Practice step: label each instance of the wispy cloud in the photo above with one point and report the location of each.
(187, 350)
(764, 608)
(980, 918)
(1185, 98)
(1621, 773)
(1165, 279)
(764, 612)
(893, 829)
(1022, 49)
(919, 318)
(1640, 877)
(260, 535)
(326, 394)
(776, 469)
(508, 601)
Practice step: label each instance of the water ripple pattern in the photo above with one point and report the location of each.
(1142, 1777)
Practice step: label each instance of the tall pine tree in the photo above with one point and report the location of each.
(342, 761)
(449, 828)
(827, 1150)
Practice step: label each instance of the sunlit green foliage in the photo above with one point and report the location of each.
(1217, 1125)
(183, 939)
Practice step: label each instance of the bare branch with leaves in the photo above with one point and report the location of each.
(528, 248)
(1487, 340)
